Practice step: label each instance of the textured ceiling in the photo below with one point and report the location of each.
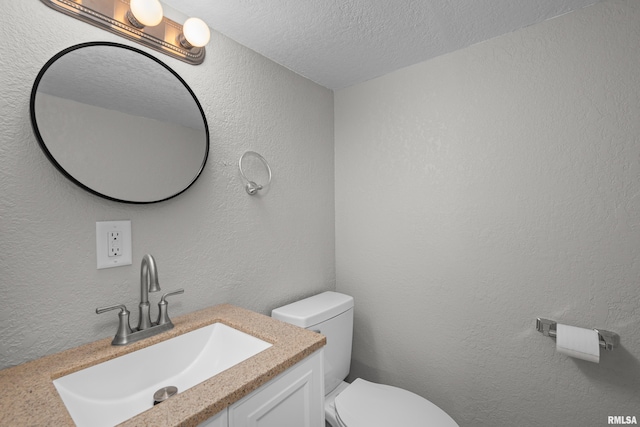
(338, 43)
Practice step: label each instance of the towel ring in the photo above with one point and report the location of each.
(251, 187)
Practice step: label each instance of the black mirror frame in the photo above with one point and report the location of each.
(42, 144)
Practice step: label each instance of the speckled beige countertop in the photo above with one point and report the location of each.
(29, 398)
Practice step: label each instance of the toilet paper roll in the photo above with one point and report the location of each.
(576, 342)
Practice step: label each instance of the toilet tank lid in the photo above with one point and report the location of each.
(313, 310)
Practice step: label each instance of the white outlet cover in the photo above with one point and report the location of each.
(102, 243)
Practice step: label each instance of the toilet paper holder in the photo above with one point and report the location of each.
(608, 340)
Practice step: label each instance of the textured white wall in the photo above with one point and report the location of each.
(482, 189)
(215, 241)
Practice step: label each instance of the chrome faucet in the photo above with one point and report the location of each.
(148, 283)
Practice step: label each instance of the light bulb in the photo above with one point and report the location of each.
(145, 12)
(196, 32)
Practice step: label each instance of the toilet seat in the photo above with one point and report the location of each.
(367, 404)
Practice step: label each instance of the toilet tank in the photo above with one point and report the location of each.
(331, 314)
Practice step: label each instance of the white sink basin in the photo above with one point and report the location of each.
(114, 391)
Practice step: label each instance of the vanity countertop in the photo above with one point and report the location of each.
(28, 396)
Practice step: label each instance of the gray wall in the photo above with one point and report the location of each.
(215, 241)
(482, 189)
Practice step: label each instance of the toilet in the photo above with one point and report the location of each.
(361, 403)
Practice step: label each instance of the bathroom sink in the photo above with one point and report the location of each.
(114, 391)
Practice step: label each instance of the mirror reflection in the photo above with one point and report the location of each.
(119, 123)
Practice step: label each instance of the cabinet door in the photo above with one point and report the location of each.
(218, 420)
(294, 398)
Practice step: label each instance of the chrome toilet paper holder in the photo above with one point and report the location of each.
(608, 340)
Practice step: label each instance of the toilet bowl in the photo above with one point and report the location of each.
(361, 403)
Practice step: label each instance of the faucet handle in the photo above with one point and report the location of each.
(163, 305)
(124, 330)
(122, 307)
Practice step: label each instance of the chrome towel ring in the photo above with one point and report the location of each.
(251, 187)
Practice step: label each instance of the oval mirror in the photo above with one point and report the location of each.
(119, 123)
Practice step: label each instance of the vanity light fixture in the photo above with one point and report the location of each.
(141, 21)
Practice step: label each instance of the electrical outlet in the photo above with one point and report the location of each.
(113, 243)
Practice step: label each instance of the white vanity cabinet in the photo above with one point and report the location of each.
(295, 398)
